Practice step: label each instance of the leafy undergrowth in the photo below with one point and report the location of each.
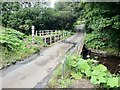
(57, 81)
(100, 41)
(16, 46)
(78, 68)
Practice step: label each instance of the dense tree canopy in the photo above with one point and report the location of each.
(104, 19)
(21, 16)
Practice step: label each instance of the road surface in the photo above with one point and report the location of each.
(34, 72)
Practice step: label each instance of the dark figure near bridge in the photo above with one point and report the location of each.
(85, 53)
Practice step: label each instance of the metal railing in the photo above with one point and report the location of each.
(77, 49)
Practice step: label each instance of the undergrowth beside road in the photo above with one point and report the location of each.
(100, 42)
(78, 68)
(15, 46)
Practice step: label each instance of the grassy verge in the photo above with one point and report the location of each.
(57, 81)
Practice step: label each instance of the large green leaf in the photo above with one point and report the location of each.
(94, 80)
(83, 65)
(102, 79)
(113, 82)
(100, 67)
(88, 73)
(96, 72)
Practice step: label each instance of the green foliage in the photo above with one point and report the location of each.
(37, 39)
(98, 74)
(76, 75)
(21, 18)
(103, 19)
(111, 80)
(45, 44)
(65, 83)
(10, 39)
(101, 41)
(96, 41)
(15, 46)
(15, 33)
(7, 8)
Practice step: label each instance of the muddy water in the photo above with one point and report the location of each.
(111, 62)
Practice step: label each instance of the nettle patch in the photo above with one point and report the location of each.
(98, 74)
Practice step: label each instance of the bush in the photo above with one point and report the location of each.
(95, 40)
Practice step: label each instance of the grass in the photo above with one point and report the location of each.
(57, 81)
(57, 75)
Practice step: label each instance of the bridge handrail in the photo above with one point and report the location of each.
(71, 51)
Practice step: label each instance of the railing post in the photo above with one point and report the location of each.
(50, 40)
(40, 33)
(36, 33)
(63, 67)
(33, 30)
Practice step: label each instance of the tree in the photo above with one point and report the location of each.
(104, 18)
(7, 8)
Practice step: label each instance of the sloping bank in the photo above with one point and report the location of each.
(96, 47)
(97, 43)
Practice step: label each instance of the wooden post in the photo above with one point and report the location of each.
(50, 32)
(36, 33)
(59, 31)
(50, 40)
(40, 33)
(55, 38)
(45, 40)
(59, 36)
(33, 30)
(63, 35)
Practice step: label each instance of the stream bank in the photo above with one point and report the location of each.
(110, 61)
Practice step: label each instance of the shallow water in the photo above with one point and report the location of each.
(111, 62)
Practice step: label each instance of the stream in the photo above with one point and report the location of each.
(111, 62)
